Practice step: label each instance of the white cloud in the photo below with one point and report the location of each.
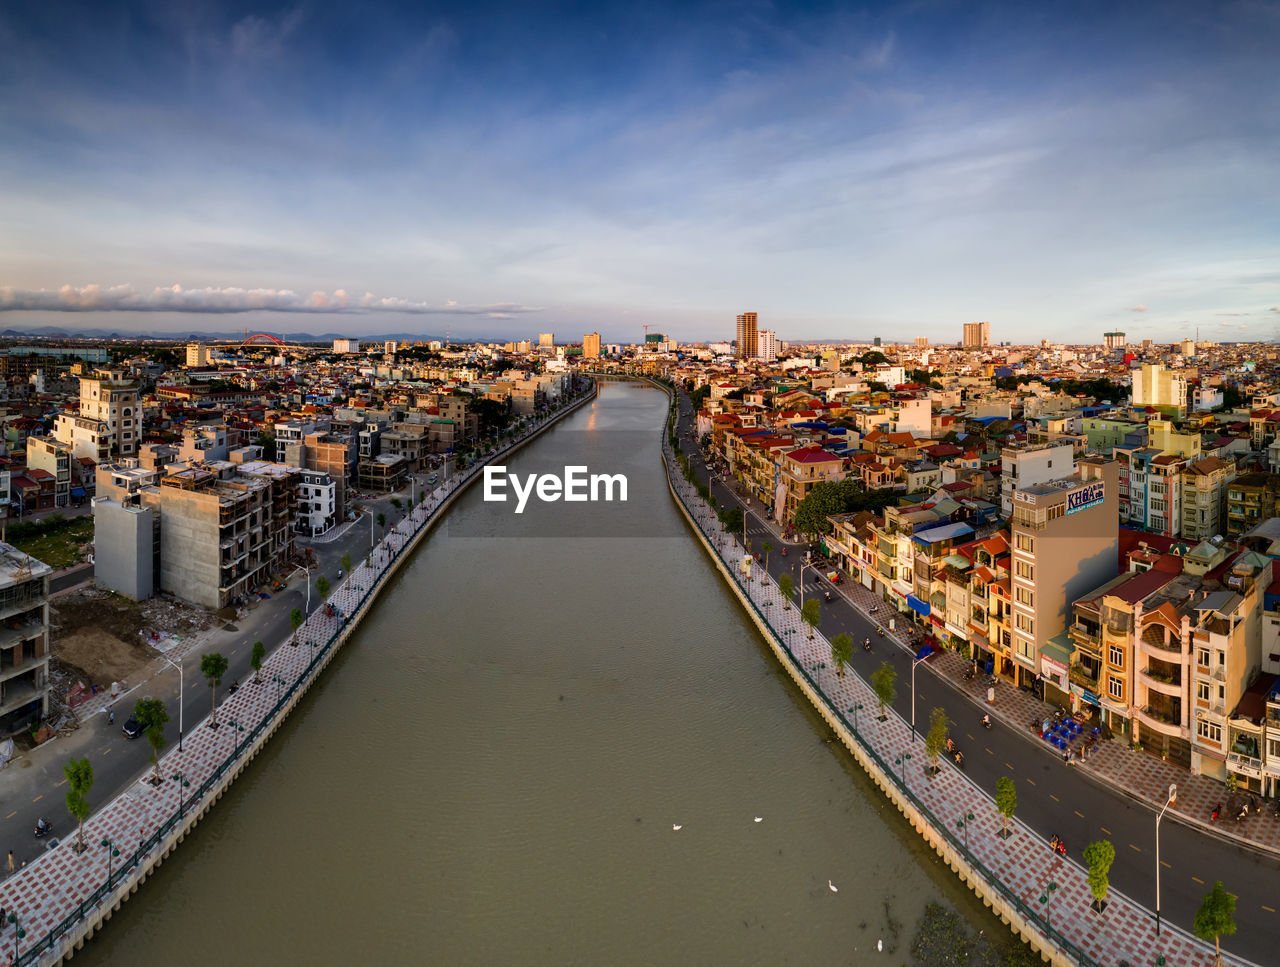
(124, 298)
(1138, 308)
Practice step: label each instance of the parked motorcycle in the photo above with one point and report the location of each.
(970, 674)
(1217, 811)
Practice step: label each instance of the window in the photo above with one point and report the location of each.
(1202, 691)
(1115, 687)
(1222, 693)
(1026, 649)
(1025, 596)
(1202, 657)
(1024, 623)
(1025, 542)
(1025, 571)
(1210, 731)
(1115, 654)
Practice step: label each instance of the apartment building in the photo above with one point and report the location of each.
(409, 441)
(977, 335)
(1204, 498)
(801, 470)
(591, 346)
(24, 640)
(317, 509)
(1157, 387)
(1065, 536)
(291, 433)
(47, 454)
(109, 424)
(1251, 499)
(747, 343)
(1024, 466)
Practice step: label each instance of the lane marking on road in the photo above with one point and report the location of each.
(60, 782)
(1198, 880)
(1079, 813)
(1030, 780)
(12, 814)
(106, 752)
(989, 752)
(1167, 866)
(1105, 831)
(1136, 849)
(38, 798)
(1267, 908)
(1054, 798)
(1009, 767)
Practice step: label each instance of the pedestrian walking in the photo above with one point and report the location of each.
(111, 716)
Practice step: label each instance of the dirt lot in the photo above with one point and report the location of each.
(102, 637)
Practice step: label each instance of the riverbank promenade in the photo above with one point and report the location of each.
(52, 899)
(1048, 890)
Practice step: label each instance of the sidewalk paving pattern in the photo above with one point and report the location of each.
(1024, 864)
(51, 894)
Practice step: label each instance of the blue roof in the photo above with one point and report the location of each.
(811, 425)
(987, 420)
(944, 533)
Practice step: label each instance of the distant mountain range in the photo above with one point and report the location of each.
(61, 332)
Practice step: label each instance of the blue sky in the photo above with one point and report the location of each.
(845, 171)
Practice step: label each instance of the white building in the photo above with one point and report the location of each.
(346, 345)
(767, 345)
(1207, 398)
(197, 355)
(1153, 385)
(1021, 468)
(110, 421)
(389, 347)
(317, 503)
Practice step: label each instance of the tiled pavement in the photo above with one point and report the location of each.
(1023, 863)
(44, 893)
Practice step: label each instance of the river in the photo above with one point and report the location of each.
(490, 771)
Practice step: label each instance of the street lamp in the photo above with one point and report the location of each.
(963, 824)
(307, 572)
(181, 779)
(902, 760)
(279, 682)
(1046, 897)
(1173, 795)
(181, 690)
(914, 662)
(110, 847)
(235, 727)
(18, 933)
(854, 709)
(802, 567)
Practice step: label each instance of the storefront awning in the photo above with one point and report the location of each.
(1057, 649)
(77, 492)
(918, 606)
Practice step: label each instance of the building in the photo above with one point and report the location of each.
(747, 346)
(110, 421)
(1163, 389)
(197, 355)
(126, 546)
(1021, 467)
(24, 642)
(317, 503)
(1204, 498)
(801, 469)
(389, 348)
(922, 342)
(346, 345)
(546, 340)
(47, 454)
(1113, 340)
(591, 346)
(767, 345)
(1251, 499)
(1065, 536)
(977, 335)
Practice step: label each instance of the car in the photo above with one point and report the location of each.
(131, 728)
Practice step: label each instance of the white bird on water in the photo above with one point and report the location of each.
(675, 826)
(759, 819)
(833, 887)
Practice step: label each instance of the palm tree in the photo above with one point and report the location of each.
(811, 614)
(79, 773)
(213, 666)
(152, 716)
(255, 660)
(841, 651)
(787, 587)
(766, 547)
(295, 620)
(382, 522)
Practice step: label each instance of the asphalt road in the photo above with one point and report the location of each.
(1053, 798)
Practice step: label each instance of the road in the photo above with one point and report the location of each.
(1053, 798)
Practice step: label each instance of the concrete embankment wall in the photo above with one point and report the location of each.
(74, 939)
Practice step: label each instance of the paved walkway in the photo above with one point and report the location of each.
(1024, 863)
(62, 886)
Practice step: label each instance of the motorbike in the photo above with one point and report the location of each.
(1217, 811)
(986, 722)
(970, 674)
(43, 828)
(959, 757)
(827, 595)
(1058, 845)
(866, 644)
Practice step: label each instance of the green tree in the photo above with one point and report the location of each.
(935, 740)
(346, 563)
(295, 621)
(152, 716)
(884, 684)
(811, 614)
(813, 513)
(255, 659)
(1098, 857)
(322, 586)
(787, 587)
(395, 502)
(841, 651)
(213, 665)
(79, 773)
(382, 521)
(766, 547)
(1006, 802)
(1216, 918)
(733, 520)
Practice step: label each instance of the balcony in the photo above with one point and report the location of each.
(1161, 681)
(1245, 765)
(1086, 636)
(1080, 675)
(1154, 646)
(1161, 720)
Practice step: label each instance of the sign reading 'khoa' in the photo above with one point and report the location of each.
(1086, 497)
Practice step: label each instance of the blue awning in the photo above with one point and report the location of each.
(924, 652)
(77, 491)
(918, 606)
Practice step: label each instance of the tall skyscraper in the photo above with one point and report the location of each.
(546, 339)
(1113, 340)
(922, 342)
(977, 335)
(748, 343)
(591, 345)
(768, 345)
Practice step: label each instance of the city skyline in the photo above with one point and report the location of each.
(898, 169)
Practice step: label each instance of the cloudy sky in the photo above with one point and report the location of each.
(845, 171)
